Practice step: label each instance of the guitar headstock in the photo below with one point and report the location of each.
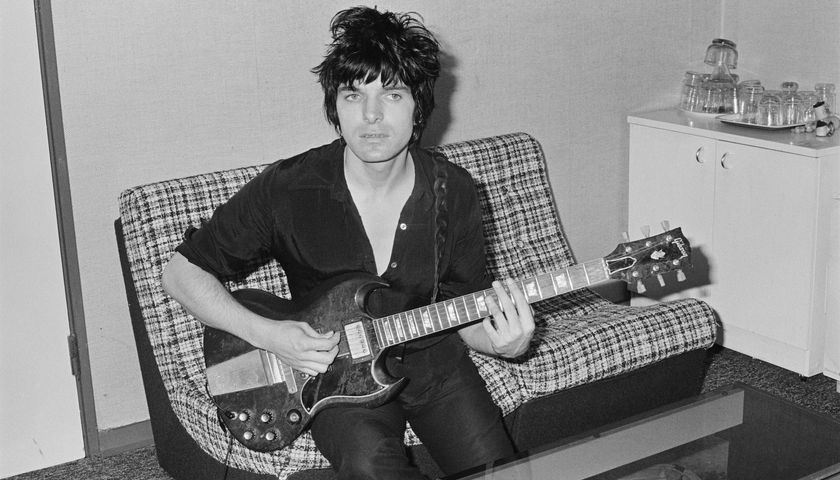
(637, 260)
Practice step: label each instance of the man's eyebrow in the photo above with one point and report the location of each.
(347, 88)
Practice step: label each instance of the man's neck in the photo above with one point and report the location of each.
(380, 178)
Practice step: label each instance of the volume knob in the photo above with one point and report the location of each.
(293, 416)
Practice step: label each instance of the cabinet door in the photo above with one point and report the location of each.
(764, 239)
(672, 179)
(832, 329)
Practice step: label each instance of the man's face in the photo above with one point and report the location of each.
(376, 120)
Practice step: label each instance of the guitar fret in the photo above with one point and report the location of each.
(404, 326)
(596, 270)
(388, 334)
(481, 304)
(546, 285)
(443, 317)
(474, 308)
(418, 324)
(399, 329)
(451, 314)
(463, 312)
(561, 282)
(426, 315)
(412, 324)
(437, 314)
(577, 277)
(531, 289)
(377, 328)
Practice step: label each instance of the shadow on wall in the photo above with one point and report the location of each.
(444, 91)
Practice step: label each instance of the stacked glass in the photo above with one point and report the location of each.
(749, 97)
(792, 106)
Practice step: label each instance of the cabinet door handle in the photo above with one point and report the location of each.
(698, 155)
(725, 161)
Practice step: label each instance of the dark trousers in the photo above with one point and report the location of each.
(447, 404)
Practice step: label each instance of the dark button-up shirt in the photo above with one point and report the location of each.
(300, 212)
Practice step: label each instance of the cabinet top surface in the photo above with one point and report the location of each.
(706, 125)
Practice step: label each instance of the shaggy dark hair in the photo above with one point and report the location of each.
(369, 44)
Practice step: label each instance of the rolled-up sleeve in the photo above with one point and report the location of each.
(238, 237)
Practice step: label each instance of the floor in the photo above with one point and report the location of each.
(817, 393)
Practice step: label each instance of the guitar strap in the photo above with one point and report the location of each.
(441, 218)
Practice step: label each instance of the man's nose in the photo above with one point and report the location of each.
(373, 110)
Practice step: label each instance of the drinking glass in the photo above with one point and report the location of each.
(749, 98)
(825, 93)
(691, 99)
(792, 104)
(769, 111)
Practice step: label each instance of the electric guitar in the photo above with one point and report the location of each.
(266, 404)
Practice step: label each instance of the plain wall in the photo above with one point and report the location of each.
(40, 425)
(153, 90)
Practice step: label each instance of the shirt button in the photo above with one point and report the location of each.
(393, 264)
(403, 226)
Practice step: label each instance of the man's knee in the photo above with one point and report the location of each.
(380, 459)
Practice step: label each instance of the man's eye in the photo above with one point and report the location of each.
(350, 97)
(395, 96)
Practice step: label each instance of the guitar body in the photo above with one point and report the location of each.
(266, 405)
(270, 417)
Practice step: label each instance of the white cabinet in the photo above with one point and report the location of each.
(760, 209)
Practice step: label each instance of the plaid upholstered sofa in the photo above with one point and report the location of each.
(592, 361)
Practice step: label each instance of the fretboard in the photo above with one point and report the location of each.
(459, 311)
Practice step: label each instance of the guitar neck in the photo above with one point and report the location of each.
(459, 311)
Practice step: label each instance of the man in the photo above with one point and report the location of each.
(370, 201)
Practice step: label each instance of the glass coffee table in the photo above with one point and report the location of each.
(736, 432)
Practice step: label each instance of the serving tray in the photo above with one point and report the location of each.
(733, 119)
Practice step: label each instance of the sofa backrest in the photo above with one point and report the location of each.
(524, 237)
(521, 226)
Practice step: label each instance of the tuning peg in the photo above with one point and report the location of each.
(666, 225)
(661, 280)
(645, 231)
(640, 287)
(680, 275)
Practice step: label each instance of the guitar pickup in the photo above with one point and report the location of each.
(357, 341)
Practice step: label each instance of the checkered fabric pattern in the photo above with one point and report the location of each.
(580, 336)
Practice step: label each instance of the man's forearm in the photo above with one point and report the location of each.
(204, 297)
